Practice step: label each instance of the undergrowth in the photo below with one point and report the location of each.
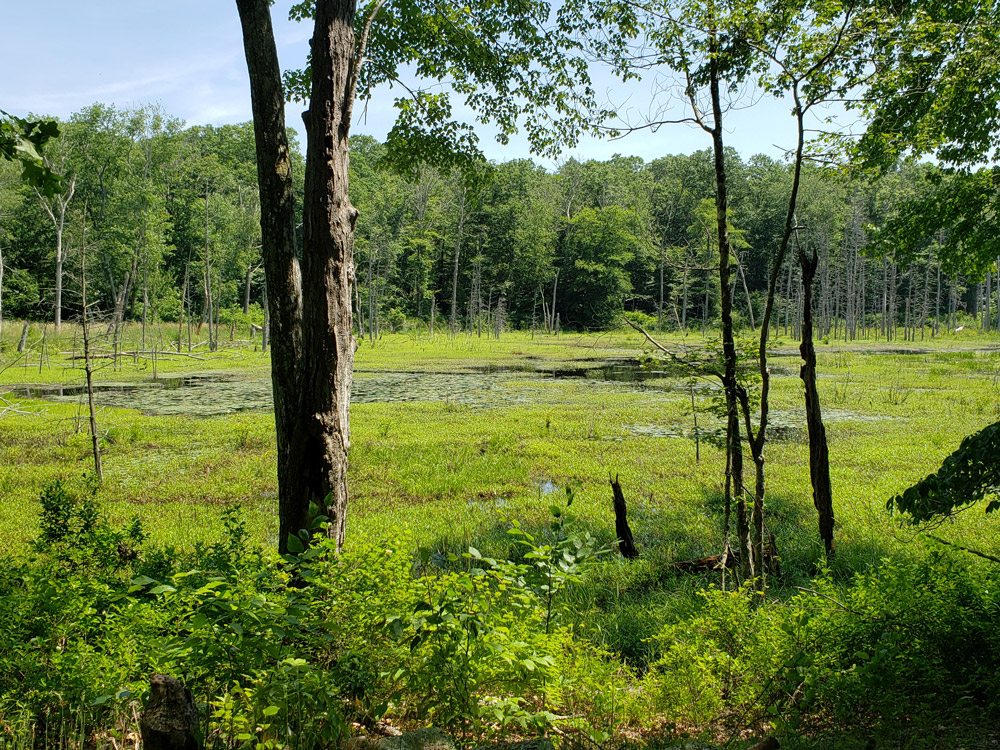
(301, 650)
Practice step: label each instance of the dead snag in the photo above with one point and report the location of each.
(625, 543)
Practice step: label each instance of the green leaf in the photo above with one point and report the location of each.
(295, 545)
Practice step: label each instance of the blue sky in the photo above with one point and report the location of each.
(187, 55)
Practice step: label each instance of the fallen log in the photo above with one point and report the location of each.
(732, 560)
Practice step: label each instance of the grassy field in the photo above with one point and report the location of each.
(452, 471)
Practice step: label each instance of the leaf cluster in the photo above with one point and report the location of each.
(967, 476)
(22, 140)
(501, 58)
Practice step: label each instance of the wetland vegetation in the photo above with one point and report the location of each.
(457, 442)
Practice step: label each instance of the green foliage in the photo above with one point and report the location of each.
(275, 663)
(967, 476)
(935, 85)
(597, 246)
(74, 534)
(906, 643)
(501, 59)
(491, 630)
(23, 140)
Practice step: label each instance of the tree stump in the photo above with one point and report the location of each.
(625, 543)
(170, 719)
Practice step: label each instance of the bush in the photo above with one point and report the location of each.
(908, 643)
(297, 646)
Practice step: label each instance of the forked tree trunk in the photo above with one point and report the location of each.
(56, 208)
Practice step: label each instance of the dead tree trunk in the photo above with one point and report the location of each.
(23, 342)
(170, 719)
(458, 252)
(56, 208)
(88, 368)
(819, 454)
(624, 533)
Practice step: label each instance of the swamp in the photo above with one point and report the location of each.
(458, 441)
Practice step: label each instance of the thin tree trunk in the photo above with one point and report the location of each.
(95, 440)
(246, 289)
(746, 291)
(819, 454)
(684, 304)
(552, 308)
(1, 297)
(659, 307)
(458, 253)
(734, 462)
(57, 214)
(265, 333)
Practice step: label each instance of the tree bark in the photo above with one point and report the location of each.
(88, 368)
(734, 448)
(283, 276)
(819, 454)
(321, 438)
(57, 214)
(626, 545)
(458, 253)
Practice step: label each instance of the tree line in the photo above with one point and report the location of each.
(173, 223)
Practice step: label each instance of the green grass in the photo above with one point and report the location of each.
(452, 473)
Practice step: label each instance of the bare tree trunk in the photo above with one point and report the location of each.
(145, 297)
(247, 280)
(987, 294)
(265, 333)
(552, 309)
(458, 252)
(684, 303)
(212, 340)
(734, 462)
(95, 440)
(746, 291)
(659, 307)
(937, 302)
(56, 209)
(321, 439)
(1, 297)
(819, 454)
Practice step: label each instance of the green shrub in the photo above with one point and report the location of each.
(292, 647)
(908, 643)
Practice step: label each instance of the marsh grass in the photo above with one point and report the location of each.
(454, 474)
